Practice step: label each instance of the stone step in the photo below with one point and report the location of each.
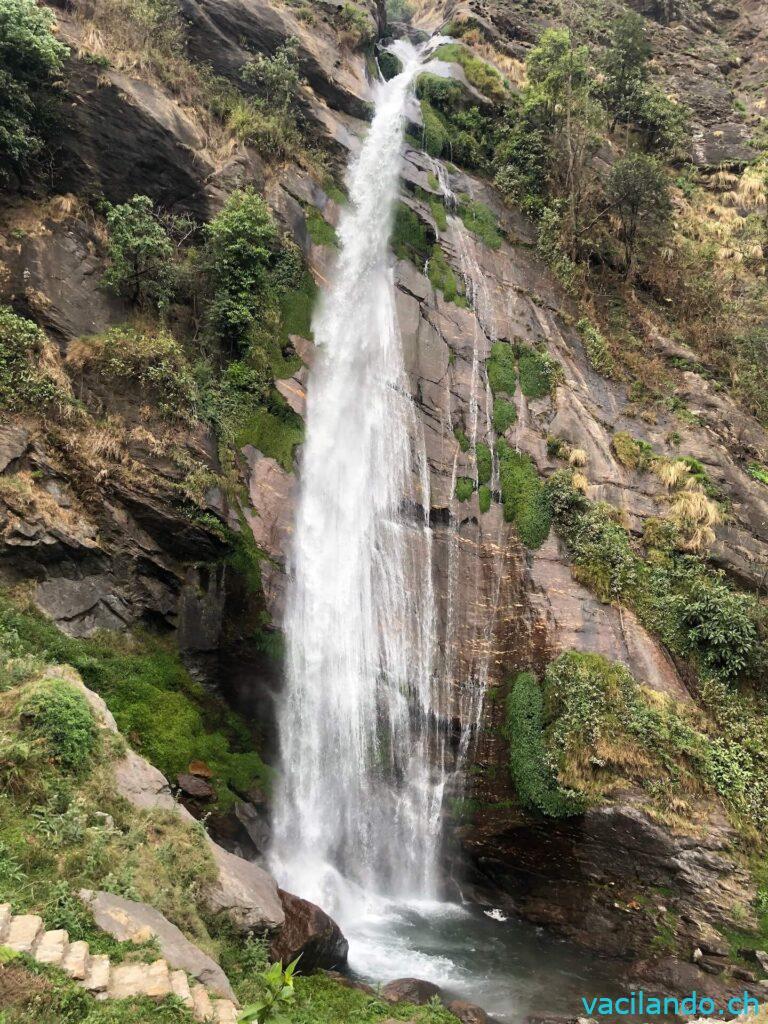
(224, 1011)
(202, 1009)
(158, 980)
(127, 980)
(97, 977)
(24, 932)
(180, 988)
(52, 947)
(76, 960)
(5, 920)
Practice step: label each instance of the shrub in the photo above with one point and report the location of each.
(462, 438)
(31, 59)
(355, 25)
(631, 452)
(56, 712)
(504, 415)
(141, 254)
(484, 497)
(435, 131)
(484, 461)
(529, 765)
(275, 431)
(464, 488)
(485, 78)
(502, 375)
(22, 384)
(523, 495)
(154, 362)
(596, 347)
(276, 75)
(539, 373)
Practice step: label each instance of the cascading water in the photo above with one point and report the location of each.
(358, 807)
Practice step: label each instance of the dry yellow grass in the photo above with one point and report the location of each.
(577, 457)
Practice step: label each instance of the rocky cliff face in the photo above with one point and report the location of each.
(90, 514)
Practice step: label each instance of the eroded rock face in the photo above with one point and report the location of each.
(310, 933)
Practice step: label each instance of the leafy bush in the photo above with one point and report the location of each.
(529, 765)
(464, 488)
(276, 75)
(154, 362)
(56, 712)
(485, 78)
(539, 373)
(277, 994)
(484, 497)
(22, 384)
(354, 25)
(596, 347)
(631, 452)
(504, 415)
(484, 460)
(502, 373)
(275, 431)
(462, 438)
(31, 59)
(435, 131)
(523, 495)
(141, 254)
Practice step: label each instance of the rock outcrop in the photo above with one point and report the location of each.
(308, 933)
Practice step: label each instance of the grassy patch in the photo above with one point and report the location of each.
(485, 78)
(631, 452)
(442, 277)
(596, 347)
(319, 1000)
(462, 438)
(320, 231)
(484, 497)
(275, 434)
(464, 488)
(539, 373)
(523, 495)
(481, 221)
(502, 372)
(504, 415)
(484, 460)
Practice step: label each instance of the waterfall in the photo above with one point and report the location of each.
(358, 804)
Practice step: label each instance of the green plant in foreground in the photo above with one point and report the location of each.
(58, 714)
(278, 995)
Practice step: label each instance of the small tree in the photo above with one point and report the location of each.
(637, 189)
(625, 67)
(141, 254)
(663, 123)
(276, 77)
(31, 58)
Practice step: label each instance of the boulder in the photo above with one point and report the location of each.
(194, 786)
(410, 990)
(142, 785)
(468, 1013)
(310, 933)
(128, 921)
(245, 892)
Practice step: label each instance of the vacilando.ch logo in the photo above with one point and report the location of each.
(639, 1003)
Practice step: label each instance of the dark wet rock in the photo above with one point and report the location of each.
(310, 933)
(468, 1013)
(410, 990)
(196, 787)
(255, 824)
(14, 440)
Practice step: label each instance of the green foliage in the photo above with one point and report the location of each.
(484, 497)
(596, 347)
(55, 712)
(663, 124)
(354, 24)
(409, 236)
(484, 460)
(435, 132)
(321, 1000)
(270, 119)
(504, 415)
(631, 452)
(637, 190)
(465, 487)
(480, 220)
(625, 67)
(22, 384)
(539, 373)
(502, 373)
(141, 254)
(154, 362)
(31, 59)
(758, 472)
(320, 231)
(451, 128)
(276, 75)
(442, 277)
(529, 765)
(520, 159)
(485, 78)
(389, 65)
(168, 716)
(274, 431)
(438, 211)
(243, 260)
(278, 995)
(523, 495)
(462, 438)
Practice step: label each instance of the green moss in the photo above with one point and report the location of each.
(296, 307)
(464, 488)
(485, 78)
(167, 715)
(529, 765)
(437, 209)
(539, 373)
(274, 434)
(390, 65)
(409, 236)
(435, 132)
(481, 221)
(504, 415)
(484, 497)
(502, 374)
(57, 714)
(484, 460)
(320, 231)
(523, 495)
(462, 438)
(442, 277)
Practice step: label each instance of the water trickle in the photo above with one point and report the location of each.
(359, 801)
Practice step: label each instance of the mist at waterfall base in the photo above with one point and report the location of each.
(364, 761)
